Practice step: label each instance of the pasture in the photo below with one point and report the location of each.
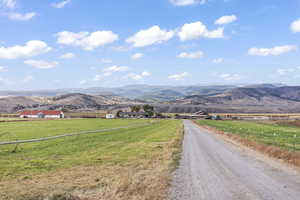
(284, 136)
(140, 156)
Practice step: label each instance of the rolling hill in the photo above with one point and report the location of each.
(179, 99)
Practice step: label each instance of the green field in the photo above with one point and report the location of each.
(270, 134)
(124, 147)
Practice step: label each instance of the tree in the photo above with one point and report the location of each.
(149, 110)
(135, 108)
(119, 113)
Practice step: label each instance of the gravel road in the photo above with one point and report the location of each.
(213, 169)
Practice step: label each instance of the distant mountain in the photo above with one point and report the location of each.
(71, 102)
(157, 93)
(246, 98)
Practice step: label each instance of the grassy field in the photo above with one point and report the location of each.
(270, 134)
(128, 163)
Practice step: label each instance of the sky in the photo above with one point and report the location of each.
(50, 44)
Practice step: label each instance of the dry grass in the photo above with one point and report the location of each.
(292, 158)
(139, 179)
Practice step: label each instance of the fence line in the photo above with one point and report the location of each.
(67, 135)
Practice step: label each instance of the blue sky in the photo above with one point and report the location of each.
(108, 43)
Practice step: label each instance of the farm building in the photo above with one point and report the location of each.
(54, 114)
(110, 116)
(197, 115)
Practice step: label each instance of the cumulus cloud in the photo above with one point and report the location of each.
(67, 56)
(20, 16)
(2, 69)
(178, 77)
(61, 4)
(11, 4)
(153, 35)
(187, 2)
(218, 60)
(41, 64)
(32, 48)
(295, 26)
(197, 30)
(137, 56)
(275, 51)
(230, 77)
(226, 20)
(87, 41)
(110, 71)
(191, 55)
(135, 76)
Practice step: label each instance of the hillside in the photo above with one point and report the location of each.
(244, 99)
(181, 99)
(72, 102)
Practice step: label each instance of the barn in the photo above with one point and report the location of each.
(54, 114)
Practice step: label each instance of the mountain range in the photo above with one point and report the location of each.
(215, 98)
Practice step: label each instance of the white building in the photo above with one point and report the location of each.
(110, 116)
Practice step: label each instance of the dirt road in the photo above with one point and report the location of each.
(212, 169)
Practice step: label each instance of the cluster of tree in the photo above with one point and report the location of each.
(146, 108)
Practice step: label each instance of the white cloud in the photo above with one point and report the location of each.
(61, 4)
(82, 82)
(226, 20)
(197, 30)
(87, 41)
(295, 26)
(110, 70)
(288, 73)
(98, 77)
(11, 4)
(218, 60)
(20, 16)
(28, 79)
(283, 72)
(153, 35)
(106, 61)
(191, 55)
(230, 77)
(275, 51)
(2, 69)
(116, 68)
(67, 56)
(41, 64)
(32, 48)
(137, 56)
(178, 77)
(138, 76)
(187, 2)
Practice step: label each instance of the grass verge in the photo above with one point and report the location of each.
(261, 137)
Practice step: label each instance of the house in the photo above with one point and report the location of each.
(133, 115)
(110, 116)
(54, 114)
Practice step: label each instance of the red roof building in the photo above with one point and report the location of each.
(42, 114)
